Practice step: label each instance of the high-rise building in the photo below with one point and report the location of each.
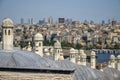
(114, 22)
(50, 20)
(41, 21)
(22, 21)
(68, 20)
(61, 20)
(31, 21)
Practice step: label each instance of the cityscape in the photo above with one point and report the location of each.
(60, 40)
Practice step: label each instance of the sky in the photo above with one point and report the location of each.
(79, 10)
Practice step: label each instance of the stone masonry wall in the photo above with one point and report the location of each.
(33, 76)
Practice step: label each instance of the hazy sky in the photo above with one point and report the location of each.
(96, 10)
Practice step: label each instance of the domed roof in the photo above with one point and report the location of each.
(93, 53)
(61, 57)
(83, 54)
(7, 23)
(38, 36)
(57, 44)
(112, 57)
(81, 51)
(18, 58)
(86, 73)
(46, 50)
(72, 50)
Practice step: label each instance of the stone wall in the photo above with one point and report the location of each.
(7, 75)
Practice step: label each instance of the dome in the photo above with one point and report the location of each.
(93, 53)
(61, 57)
(18, 58)
(57, 44)
(118, 57)
(81, 51)
(72, 50)
(7, 23)
(112, 57)
(38, 36)
(46, 50)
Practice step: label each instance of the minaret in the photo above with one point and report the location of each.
(7, 30)
(57, 50)
(72, 55)
(83, 57)
(93, 60)
(38, 40)
(118, 62)
(112, 61)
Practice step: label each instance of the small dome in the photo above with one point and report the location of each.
(81, 51)
(38, 36)
(7, 23)
(93, 53)
(61, 57)
(118, 57)
(72, 50)
(57, 44)
(46, 50)
(112, 57)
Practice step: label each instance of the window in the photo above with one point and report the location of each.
(5, 32)
(58, 51)
(8, 32)
(39, 44)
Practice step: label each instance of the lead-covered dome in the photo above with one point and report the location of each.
(112, 57)
(72, 51)
(93, 53)
(38, 36)
(18, 58)
(7, 23)
(57, 44)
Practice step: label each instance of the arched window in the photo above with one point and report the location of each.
(39, 44)
(8, 32)
(58, 51)
(5, 32)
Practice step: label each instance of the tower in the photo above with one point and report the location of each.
(118, 62)
(57, 50)
(7, 29)
(112, 61)
(38, 40)
(114, 22)
(72, 55)
(83, 57)
(93, 60)
(22, 21)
